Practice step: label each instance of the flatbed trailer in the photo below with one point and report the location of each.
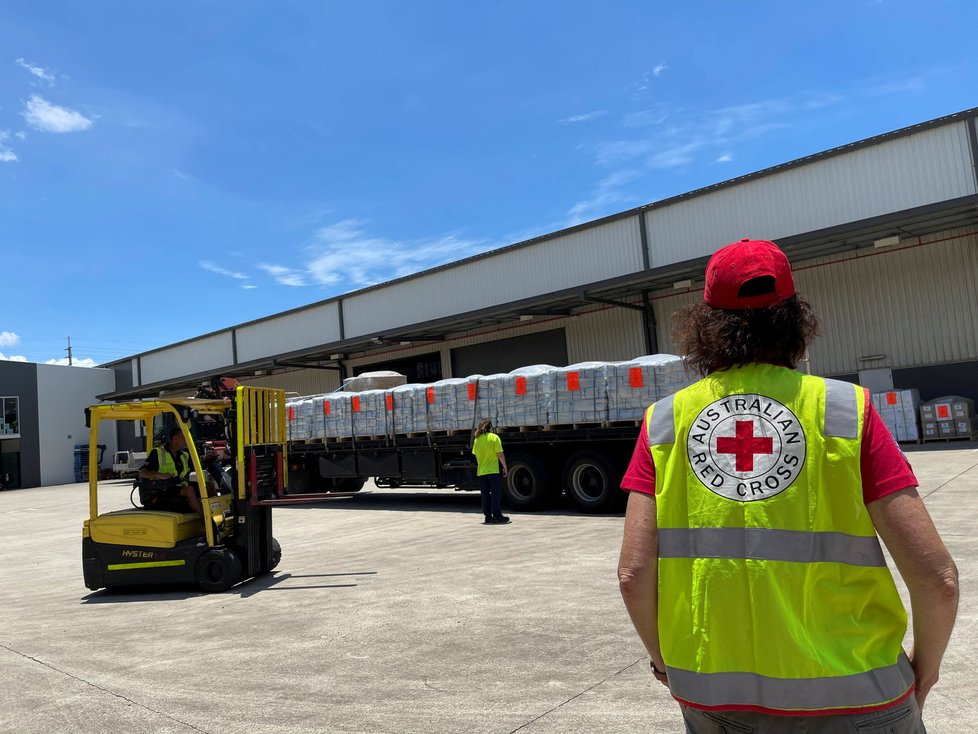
(585, 461)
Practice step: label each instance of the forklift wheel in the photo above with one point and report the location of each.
(217, 569)
(276, 554)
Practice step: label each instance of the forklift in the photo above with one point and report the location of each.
(233, 540)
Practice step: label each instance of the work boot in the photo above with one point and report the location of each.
(500, 520)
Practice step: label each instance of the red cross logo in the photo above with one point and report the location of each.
(745, 445)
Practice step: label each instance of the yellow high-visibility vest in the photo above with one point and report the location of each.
(168, 466)
(774, 593)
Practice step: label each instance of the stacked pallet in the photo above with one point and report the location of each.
(540, 395)
(899, 411)
(951, 416)
(635, 385)
(580, 394)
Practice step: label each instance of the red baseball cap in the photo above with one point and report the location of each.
(733, 266)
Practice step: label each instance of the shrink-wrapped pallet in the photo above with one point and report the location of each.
(298, 414)
(899, 410)
(580, 393)
(634, 385)
(370, 414)
(525, 395)
(451, 403)
(336, 408)
(408, 407)
(489, 393)
(379, 380)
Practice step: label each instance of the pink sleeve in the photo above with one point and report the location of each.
(883, 465)
(640, 475)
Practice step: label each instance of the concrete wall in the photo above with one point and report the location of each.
(63, 393)
(19, 379)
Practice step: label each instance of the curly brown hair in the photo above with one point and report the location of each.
(714, 339)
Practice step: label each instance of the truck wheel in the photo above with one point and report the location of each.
(348, 485)
(217, 569)
(527, 485)
(276, 554)
(590, 482)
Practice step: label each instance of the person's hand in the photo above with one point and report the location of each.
(659, 675)
(505, 471)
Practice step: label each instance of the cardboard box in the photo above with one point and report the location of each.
(928, 429)
(945, 429)
(964, 427)
(927, 412)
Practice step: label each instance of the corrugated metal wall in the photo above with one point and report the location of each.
(200, 355)
(914, 305)
(289, 332)
(606, 335)
(575, 259)
(301, 382)
(914, 170)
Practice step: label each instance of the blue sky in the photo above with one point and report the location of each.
(172, 168)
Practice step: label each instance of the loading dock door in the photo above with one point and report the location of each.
(504, 355)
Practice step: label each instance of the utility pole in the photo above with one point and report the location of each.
(69, 350)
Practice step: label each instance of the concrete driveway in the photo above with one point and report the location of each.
(395, 611)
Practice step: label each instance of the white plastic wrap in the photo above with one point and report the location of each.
(370, 414)
(409, 408)
(580, 393)
(635, 385)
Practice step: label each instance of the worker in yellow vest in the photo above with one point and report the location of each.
(750, 563)
(164, 476)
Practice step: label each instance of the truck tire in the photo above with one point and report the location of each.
(590, 483)
(527, 485)
(276, 554)
(348, 485)
(217, 569)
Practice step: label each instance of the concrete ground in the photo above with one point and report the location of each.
(391, 612)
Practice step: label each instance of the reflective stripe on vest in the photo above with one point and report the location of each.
(774, 593)
(793, 694)
(767, 544)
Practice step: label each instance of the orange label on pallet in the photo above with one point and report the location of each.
(635, 377)
(573, 381)
(943, 410)
(390, 401)
(291, 414)
(472, 389)
(326, 407)
(891, 398)
(521, 386)
(431, 394)
(356, 403)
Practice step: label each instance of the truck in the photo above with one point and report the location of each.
(575, 436)
(125, 464)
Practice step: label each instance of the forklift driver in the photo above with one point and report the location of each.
(163, 478)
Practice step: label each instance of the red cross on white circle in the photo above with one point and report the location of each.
(745, 445)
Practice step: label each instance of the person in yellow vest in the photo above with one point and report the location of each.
(750, 564)
(488, 451)
(164, 477)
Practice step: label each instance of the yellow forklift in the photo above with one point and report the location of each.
(233, 539)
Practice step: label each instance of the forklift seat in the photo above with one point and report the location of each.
(149, 528)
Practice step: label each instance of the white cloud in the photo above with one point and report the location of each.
(248, 287)
(214, 268)
(6, 154)
(12, 358)
(9, 339)
(20, 135)
(582, 118)
(87, 362)
(725, 158)
(284, 275)
(345, 253)
(43, 115)
(37, 71)
(605, 198)
(658, 69)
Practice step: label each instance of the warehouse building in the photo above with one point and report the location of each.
(883, 234)
(44, 420)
